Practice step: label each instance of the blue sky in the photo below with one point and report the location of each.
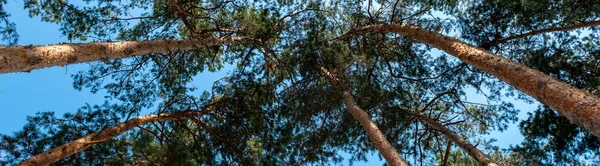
(50, 89)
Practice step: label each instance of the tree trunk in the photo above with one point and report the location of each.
(577, 105)
(26, 58)
(479, 156)
(385, 148)
(55, 154)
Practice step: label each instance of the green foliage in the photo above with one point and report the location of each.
(44, 131)
(569, 56)
(552, 139)
(7, 28)
(276, 107)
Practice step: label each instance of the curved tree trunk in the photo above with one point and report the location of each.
(385, 148)
(26, 58)
(479, 156)
(55, 154)
(577, 105)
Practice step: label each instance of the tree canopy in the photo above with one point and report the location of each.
(298, 66)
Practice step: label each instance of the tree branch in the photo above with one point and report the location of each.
(26, 58)
(479, 156)
(55, 154)
(447, 153)
(579, 106)
(554, 29)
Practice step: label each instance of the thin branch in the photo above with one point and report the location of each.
(435, 98)
(130, 18)
(554, 29)
(394, 11)
(447, 153)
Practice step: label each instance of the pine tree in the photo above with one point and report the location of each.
(278, 107)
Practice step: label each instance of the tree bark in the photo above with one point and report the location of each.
(577, 105)
(375, 135)
(385, 148)
(27, 58)
(479, 156)
(55, 154)
(447, 154)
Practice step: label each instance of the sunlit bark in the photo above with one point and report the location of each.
(385, 148)
(577, 105)
(26, 58)
(55, 154)
(381, 143)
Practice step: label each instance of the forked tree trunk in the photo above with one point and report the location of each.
(577, 105)
(55, 154)
(478, 155)
(375, 135)
(26, 58)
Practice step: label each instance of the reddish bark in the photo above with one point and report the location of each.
(577, 105)
(385, 148)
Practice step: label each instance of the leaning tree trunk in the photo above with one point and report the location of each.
(385, 148)
(478, 155)
(26, 58)
(55, 154)
(577, 105)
